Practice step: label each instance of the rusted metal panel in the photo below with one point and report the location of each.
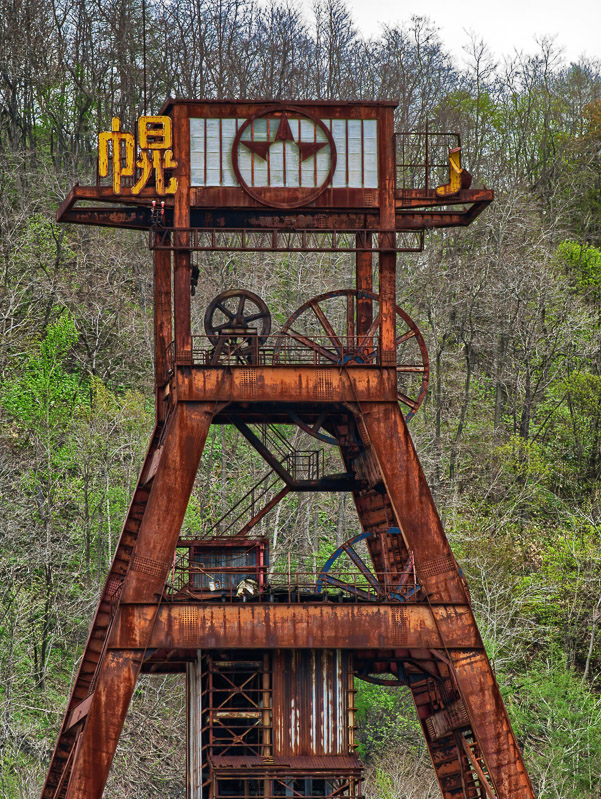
(311, 712)
(243, 625)
(294, 384)
(194, 701)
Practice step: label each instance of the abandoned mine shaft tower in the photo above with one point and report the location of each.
(271, 654)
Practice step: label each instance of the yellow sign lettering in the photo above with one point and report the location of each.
(122, 145)
(155, 139)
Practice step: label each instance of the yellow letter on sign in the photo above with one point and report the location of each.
(123, 156)
(155, 139)
(458, 178)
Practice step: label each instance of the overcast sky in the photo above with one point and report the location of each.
(505, 25)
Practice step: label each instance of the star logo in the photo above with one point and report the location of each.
(270, 176)
(306, 149)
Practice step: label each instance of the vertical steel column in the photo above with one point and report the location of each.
(364, 281)
(163, 333)
(387, 239)
(194, 728)
(181, 220)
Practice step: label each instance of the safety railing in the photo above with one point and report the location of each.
(278, 350)
(422, 158)
(191, 580)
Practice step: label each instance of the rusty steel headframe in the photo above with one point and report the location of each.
(271, 657)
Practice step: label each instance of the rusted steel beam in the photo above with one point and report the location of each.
(163, 334)
(263, 512)
(423, 198)
(335, 109)
(364, 281)
(101, 622)
(491, 725)
(412, 501)
(387, 258)
(219, 216)
(438, 573)
(298, 626)
(126, 218)
(297, 384)
(105, 194)
(152, 557)
(79, 712)
(171, 487)
(139, 218)
(438, 219)
(103, 723)
(181, 219)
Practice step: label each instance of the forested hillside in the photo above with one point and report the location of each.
(509, 435)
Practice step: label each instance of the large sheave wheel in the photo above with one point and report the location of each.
(327, 326)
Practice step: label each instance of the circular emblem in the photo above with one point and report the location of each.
(284, 157)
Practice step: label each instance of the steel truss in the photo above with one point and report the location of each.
(405, 619)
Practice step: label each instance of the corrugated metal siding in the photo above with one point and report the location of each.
(356, 143)
(215, 558)
(194, 753)
(311, 702)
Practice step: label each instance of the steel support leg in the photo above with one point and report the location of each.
(440, 578)
(118, 670)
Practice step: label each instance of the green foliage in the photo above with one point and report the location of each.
(557, 718)
(43, 395)
(584, 264)
(386, 718)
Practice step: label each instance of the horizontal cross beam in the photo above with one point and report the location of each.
(205, 625)
(295, 384)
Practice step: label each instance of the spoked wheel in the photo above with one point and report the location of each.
(327, 326)
(237, 323)
(350, 569)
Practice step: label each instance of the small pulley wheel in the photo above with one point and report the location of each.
(237, 313)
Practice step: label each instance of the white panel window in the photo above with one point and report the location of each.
(229, 128)
(356, 143)
(338, 127)
(370, 153)
(197, 152)
(355, 172)
(213, 173)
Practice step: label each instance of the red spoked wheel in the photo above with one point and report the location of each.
(327, 326)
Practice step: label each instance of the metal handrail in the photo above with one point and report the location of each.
(190, 580)
(278, 350)
(422, 157)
